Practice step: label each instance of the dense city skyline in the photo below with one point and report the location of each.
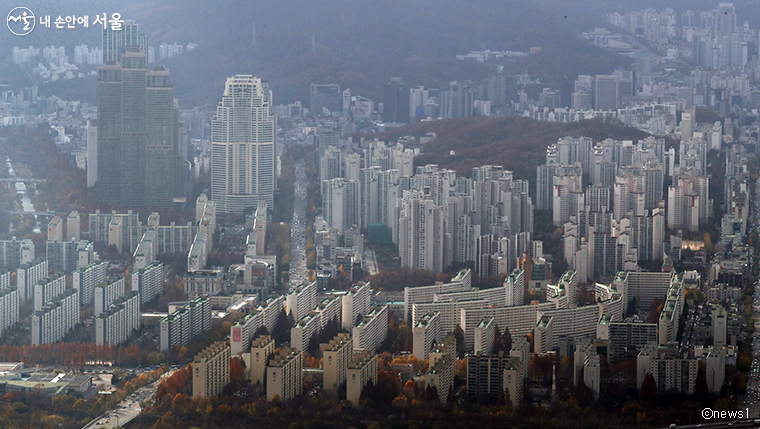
(396, 215)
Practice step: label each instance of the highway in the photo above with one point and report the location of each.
(298, 272)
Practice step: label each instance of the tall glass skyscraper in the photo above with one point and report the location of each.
(242, 144)
(139, 161)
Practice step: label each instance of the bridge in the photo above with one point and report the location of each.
(22, 179)
(31, 213)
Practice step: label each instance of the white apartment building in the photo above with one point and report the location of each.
(211, 370)
(362, 369)
(484, 336)
(149, 282)
(356, 302)
(262, 349)
(117, 323)
(27, 275)
(184, 323)
(425, 333)
(462, 282)
(302, 300)
(9, 303)
(85, 279)
(56, 318)
(106, 293)
(372, 329)
(284, 376)
(241, 333)
(48, 288)
(336, 355)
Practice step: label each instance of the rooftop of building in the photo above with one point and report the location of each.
(325, 302)
(485, 322)
(423, 322)
(340, 340)
(355, 288)
(360, 359)
(544, 321)
(445, 343)
(605, 319)
(205, 273)
(284, 356)
(262, 341)
(306, 319)
(371, 316)
(212, 350)
(440, 364)
(71, 379)
(11, 366)
(302, 287)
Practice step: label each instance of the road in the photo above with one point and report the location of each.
(298, 272)
(128, 409)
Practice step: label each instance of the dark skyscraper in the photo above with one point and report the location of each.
(139, 162)
(396, 101)
(117, 42)
(325, 96)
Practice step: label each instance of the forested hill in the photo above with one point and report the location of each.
(516, 142)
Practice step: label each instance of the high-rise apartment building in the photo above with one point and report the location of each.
(362, 369)
(243, 158)
(211, 370)
(116, 324)
(284, 377)
(56, 318)
(62, 255)
(9, 302)
(73, 226)
(107, 293)
(184, 323)
(336, 356)
(420, 236)
(27, 275)
(262, 349)
(86, 278)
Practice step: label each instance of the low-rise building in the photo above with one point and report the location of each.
(203, 282)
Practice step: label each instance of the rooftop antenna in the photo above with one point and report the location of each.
(313, 45)
(254, 44)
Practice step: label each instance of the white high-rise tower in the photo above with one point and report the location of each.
(243, 158)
